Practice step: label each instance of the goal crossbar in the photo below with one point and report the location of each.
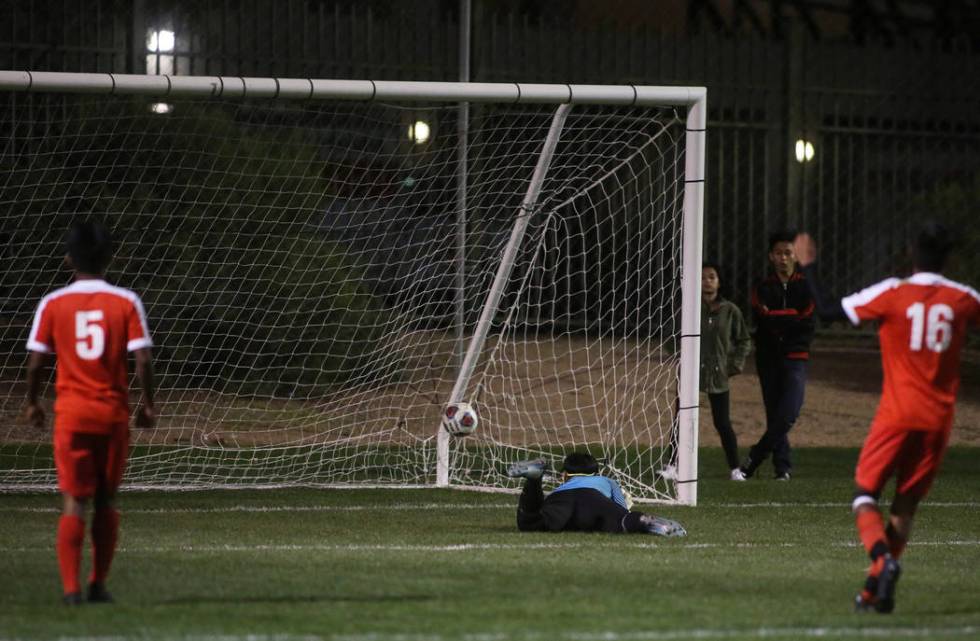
(363, 90)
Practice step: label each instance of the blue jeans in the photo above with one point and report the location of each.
(783, 384)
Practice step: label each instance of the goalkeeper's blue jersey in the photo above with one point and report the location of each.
(608, 487)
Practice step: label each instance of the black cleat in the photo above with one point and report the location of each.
(887, 579)
(72, 599)
(532, 469)
(660, 526)
(783, 476)
(98, 594)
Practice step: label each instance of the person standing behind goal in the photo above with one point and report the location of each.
(725, 343)
(782, 309)
(89, 326)
(922, 325)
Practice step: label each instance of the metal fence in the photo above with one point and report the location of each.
(888, 128)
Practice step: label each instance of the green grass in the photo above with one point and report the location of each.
(763, 560)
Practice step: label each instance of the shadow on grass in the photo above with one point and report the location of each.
(301, 598)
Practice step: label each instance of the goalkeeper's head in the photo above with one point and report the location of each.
(89, 246)
(580, 464)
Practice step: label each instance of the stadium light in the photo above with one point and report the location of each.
(804, 150)
(161, 41)
(161, 108)
(160, 52)
(419, 132)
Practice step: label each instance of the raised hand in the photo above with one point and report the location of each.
(805, 249)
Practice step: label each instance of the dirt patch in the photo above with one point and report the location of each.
(843, 388)
(538, 391)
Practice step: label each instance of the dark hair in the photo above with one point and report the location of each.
(932, 246)
(580, 463)
(709, 265)
(89, 245)
(781, 236)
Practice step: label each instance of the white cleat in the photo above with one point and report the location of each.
(737, 474)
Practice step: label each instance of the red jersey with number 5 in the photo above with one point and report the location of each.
(90, 326)
(923, 322)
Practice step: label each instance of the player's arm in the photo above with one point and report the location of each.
(37, 363)
(827, 308)
(146, 413)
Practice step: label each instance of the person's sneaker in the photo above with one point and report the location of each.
(98, 594)
(864, 602)
(668, 473)
(737, 474)
(660, 526)
(783, 476)
(531, 469)
(885, 597)
(72, 599)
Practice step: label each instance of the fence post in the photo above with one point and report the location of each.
(794, 123)
(137, 38)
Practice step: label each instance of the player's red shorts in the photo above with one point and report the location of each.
(912, 455)
(89, 462)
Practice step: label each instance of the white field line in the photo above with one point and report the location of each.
(445, 506)
(467, 547)
(823, 632)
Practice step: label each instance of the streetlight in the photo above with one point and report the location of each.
(419, 132)
(804, 150)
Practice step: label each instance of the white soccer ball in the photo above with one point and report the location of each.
(460, 419)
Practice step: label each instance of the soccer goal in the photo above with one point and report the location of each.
(326, 264)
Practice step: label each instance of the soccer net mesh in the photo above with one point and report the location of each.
(300, 264)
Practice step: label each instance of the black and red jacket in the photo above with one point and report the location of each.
(783, 315)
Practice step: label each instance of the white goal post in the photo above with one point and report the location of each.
(294, 241)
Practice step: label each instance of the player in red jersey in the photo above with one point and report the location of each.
(89, 327)
(922, 325)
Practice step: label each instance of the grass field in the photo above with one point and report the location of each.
(763, 560)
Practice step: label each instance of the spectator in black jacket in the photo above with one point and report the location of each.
(782, 309)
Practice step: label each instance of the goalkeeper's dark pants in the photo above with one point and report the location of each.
(581, 510)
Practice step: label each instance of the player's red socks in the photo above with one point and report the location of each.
(105, 531)
(871, 529)
(71, 536)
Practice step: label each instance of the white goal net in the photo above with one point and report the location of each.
(315, 272)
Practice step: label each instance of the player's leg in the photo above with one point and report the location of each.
(876, 464)
(529, 517)
(767, 369)
(917, 468)
(720, 416)
(76, 480)
(111, 458)
(792, 392)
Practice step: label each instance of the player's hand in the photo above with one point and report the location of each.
(34, 414)
(805, 249)
(146, 417)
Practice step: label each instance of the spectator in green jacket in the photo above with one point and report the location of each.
(725, 344)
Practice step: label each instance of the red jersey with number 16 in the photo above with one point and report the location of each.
(923, 324)
(90, 326)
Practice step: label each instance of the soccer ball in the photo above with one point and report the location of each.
(460, 419)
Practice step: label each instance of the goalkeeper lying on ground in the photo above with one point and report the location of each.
(585, 501)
